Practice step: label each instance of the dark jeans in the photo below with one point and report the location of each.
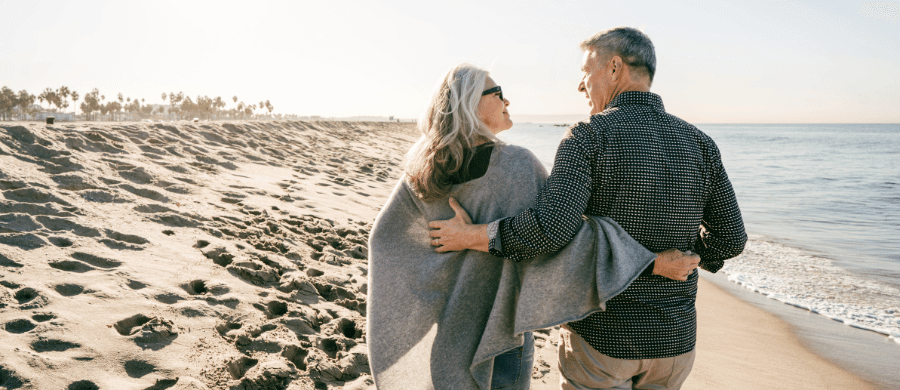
(512, 369)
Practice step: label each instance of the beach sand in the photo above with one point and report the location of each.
(233, 256)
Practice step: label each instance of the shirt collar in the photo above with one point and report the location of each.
(636, 97)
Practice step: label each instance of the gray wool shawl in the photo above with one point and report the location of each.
(437, 320)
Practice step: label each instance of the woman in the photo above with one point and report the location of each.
(464, 319)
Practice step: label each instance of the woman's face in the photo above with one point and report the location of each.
(492, 109)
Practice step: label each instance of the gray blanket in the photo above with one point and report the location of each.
(438, 320)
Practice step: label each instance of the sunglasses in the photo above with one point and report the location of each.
(493, 90)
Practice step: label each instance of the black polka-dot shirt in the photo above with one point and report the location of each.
(663, 181)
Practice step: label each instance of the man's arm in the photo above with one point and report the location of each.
(722, 235)
(546, 227)
(671, 263)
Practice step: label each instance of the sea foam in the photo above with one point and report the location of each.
(814, 283)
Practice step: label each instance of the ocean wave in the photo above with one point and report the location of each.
(814, 283)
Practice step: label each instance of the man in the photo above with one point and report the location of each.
(663, 181)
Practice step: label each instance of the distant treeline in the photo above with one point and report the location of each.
(94, 106)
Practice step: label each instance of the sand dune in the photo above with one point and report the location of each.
(191, 255)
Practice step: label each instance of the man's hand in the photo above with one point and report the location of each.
(458, 233)
(675, 264)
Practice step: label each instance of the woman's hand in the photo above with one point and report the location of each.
(458, 233)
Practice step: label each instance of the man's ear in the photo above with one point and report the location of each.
(616, 67)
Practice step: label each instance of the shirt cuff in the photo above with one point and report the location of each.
(495, 245)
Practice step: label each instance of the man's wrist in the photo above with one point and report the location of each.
(478, 238)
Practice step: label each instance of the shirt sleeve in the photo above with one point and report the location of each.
(558, 208)
(722, 235)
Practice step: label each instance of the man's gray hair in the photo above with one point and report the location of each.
(633, 46)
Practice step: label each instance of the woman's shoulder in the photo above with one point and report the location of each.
(515, 151)
(515, 154)
(514, 159)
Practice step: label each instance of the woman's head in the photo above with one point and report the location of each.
(492, 108)
(459, 105)
(458, 117)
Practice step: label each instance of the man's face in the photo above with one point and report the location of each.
(596, 82)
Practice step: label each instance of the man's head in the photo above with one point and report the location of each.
(616, 60)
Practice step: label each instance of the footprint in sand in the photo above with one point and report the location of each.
(195, 287)
(29, 298)
(163, 384)
(102, 196)
(96, 261)
(7, 262)
(238, 366)
(228, 329)
(19, 326)
(273, 309)
(52, 345)
(62, 242)
(147, 332)
(43, 317)
(10, 379)
(136, 285)
(69, 289)
(174, 220)
(33, 195)
(27, 241)
(145, 193)
(220, 256)
(73, 182)
(152, 208)
(61, 224)
(70, 266)
(296, 354)
(168, 298)
(175, 168)
(83, 385)
(348, 328)
(137, 175)
(86, 262)
(116, 240)
(17, 223)
(138, 368)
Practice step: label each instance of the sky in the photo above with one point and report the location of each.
(717, 61)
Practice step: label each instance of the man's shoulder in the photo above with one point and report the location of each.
(616, 119)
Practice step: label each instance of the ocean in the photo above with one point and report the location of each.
(821, 204)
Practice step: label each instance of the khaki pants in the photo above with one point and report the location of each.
(582, 367)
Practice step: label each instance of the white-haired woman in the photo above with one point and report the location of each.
(463, 320)
(459, 130)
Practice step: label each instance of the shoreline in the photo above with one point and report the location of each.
(760, 350)
(868, 354)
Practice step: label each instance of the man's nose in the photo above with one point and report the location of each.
(581, 86)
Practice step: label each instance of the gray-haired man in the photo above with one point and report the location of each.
(663, 181)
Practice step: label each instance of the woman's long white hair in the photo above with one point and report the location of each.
(449, 125)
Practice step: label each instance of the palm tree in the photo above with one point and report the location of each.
(25, 100)
(218, 104)
(62, 96)
(74, 96)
